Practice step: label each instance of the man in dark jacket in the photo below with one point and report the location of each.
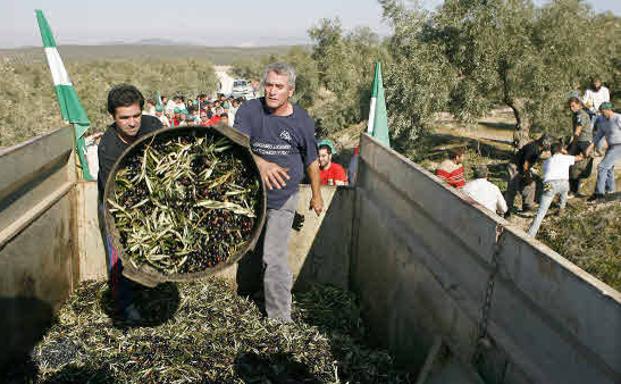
(125, 103)
(521, 179)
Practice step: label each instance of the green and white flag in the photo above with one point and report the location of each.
(378, 118)
(70, 107)
(158, 101)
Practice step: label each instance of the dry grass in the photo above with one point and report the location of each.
(590, 237)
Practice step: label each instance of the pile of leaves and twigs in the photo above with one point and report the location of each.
(211, 335)
(589, 236)
(185, 203)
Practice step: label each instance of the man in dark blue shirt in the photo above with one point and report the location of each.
(282, 137)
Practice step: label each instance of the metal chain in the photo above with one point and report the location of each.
(487, 303)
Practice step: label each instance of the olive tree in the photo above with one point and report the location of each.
(419, 78)
(249, 68)
(345, 62)
(472, 55)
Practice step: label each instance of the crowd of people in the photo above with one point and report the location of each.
(203, 110)
(566, 162)
(209, 112)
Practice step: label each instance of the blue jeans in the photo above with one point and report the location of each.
(551, 189)
(606, 170)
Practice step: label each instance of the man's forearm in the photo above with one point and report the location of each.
(313, 174)
(316, 202)
(258, 159)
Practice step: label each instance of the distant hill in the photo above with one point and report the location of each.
(152, 49)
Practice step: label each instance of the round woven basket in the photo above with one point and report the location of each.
(147, 275)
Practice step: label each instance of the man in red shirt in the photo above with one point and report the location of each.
(451, 170)
(214, 121)
(330, 173)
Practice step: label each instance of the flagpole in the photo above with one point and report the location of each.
(70, 107)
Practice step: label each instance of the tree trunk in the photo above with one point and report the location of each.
(523, 122)
(517, 104)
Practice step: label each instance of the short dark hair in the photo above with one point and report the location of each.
(224, 115)
(556, 147)
(545, 141)
(124, 95)
(574, 99)
(453, 153)
(326, 147)
(480, 171)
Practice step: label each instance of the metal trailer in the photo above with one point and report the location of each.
(455, 293)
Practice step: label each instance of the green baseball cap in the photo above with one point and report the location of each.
(606, 105)
(329, 143)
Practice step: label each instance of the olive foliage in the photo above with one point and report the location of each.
(30, 101)
(345, 61)
(334, 75)
(469, 56)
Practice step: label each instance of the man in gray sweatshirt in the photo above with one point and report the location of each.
(610, 128)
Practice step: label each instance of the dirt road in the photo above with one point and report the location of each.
(225, 80)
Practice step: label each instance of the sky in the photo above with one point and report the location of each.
(208, 22)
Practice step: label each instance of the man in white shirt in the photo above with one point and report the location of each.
(595, 96)
(232, 111)
(555, 181)
(170, 105)
(484, 192)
